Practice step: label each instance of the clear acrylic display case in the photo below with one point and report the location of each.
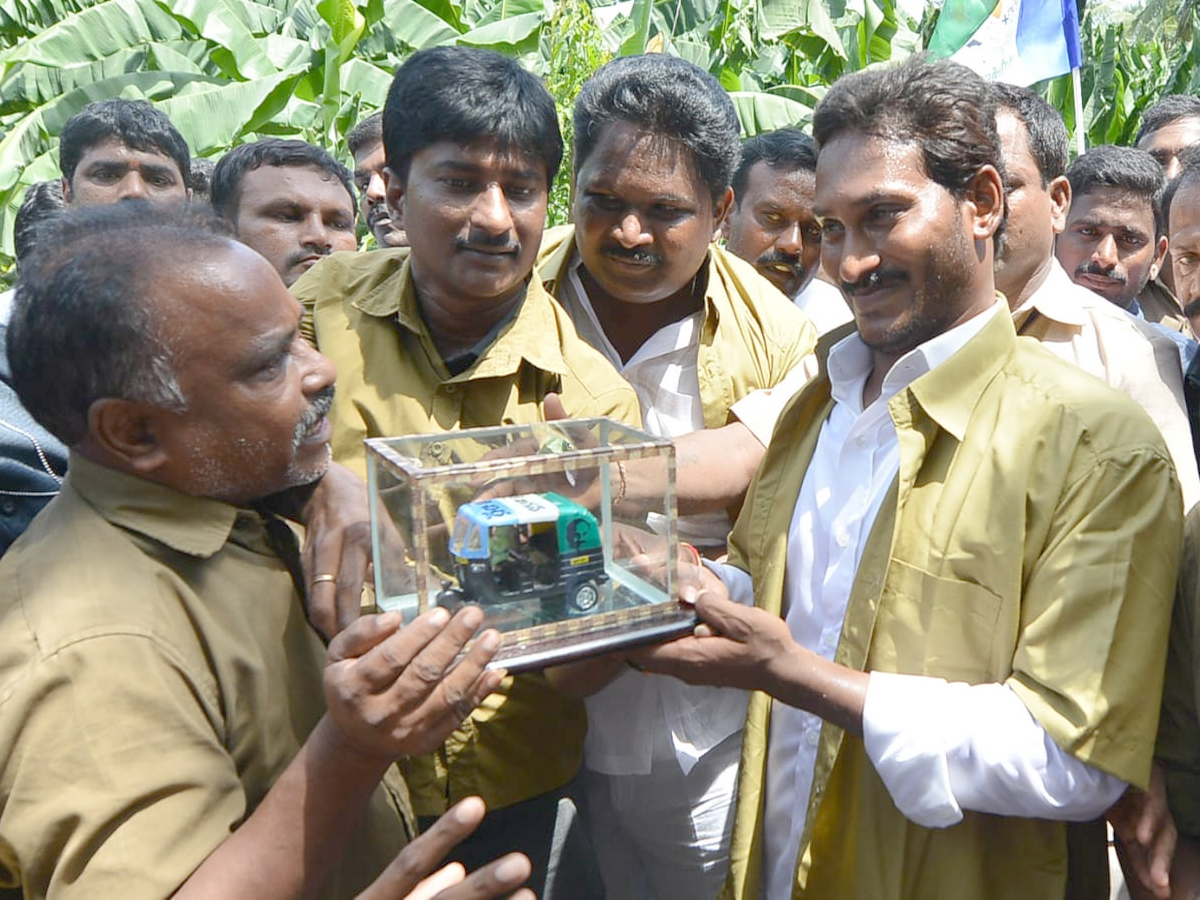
(538, 526)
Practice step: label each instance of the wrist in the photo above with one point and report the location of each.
(352, 759)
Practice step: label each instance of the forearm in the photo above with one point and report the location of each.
(942, 748)
(807, 681)
(714, 467)
(289, 845)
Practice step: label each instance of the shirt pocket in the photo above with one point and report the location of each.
(943, 627)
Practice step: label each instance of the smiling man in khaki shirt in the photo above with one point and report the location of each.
(452, 333)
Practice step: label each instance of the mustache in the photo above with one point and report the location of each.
(873, 280)
(300, 256)
(779, 258)
(1090, 268)
(377, 212)
(317, 410)
(487, 243)
(634, 254)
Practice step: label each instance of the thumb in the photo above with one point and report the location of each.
(552, 408)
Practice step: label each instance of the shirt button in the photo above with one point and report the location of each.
(842, 537)
(451, 389)
(828, 639)
(861, 440)
(813, 736)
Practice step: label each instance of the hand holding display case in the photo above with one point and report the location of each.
(532, 523)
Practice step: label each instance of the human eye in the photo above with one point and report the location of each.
(1185, 261)
(831, 230)
(1132, 241)
(884, 214)
(811, 231)
(606, 202)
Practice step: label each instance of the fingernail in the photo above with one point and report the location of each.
(389, 620)
(490, 640)
(439, 616)
(512, 867)
(472, 616)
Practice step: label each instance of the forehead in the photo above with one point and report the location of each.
(1185, 211)
(1173, 136)
(630, 159)
(854, 169)
(114, 150)
(782, 184)
(1014, 143)
(228, 290)
(477, 156)
(1112, 208)
(369, 156)
(306, 186)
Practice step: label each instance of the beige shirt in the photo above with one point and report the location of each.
(157, 674)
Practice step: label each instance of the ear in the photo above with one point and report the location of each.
(393, 195)
(128, 431)
(1160, 256)
(721, 209)
(985, 194)
(66, 190)
(1060, 203)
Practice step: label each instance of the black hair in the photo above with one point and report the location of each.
(784, 148)
(135, 123)
(226, 185)
(368, 131)
(84, 326)
(1047, 133)
(466, 95)
(1167, 110)
(1124, 169)
(43, 201)
(942, 108)
(668, 96)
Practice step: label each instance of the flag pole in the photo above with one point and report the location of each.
(1080, 131)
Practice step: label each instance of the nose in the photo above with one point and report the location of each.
(133, 187)
(630, 233)
(491, 211)
(375, 189)
(851, 258)
(319, 371)
(1105, 253)
(790, 240)
(314, 233)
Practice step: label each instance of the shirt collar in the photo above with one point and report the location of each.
(523, 336)
(1054, 299)
(197, 526)
(850, 360)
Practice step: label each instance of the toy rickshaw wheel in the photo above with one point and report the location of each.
(586, 596)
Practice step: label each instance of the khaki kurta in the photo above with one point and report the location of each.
(157, 674)
(751, 335)
(1031, 539)
(526, 739)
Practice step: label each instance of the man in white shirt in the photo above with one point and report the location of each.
(962, 558)
(1072, 322)
(772, 225)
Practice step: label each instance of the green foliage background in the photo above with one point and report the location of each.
(229, 71)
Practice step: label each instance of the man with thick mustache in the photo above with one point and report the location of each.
(365, 143)
(693, 328)
(955, 575)
(771, 222)
(452, 332)
(170, 723)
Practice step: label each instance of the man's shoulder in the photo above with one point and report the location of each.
(351, 276)
(744, 282)
(554, 252)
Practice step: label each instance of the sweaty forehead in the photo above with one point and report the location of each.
(300, 185)
(857, 169)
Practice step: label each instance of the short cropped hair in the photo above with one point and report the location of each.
(668, 96)
(226, 184)
(1048, 141)
(1167, 110)
(43, 201)
(367, 132)
(1189, 174)
(84, 324)
(942, 108)
(1124, 169)
(135, 123)
(784, 148)
(466, 95)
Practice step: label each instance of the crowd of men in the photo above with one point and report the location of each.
(929, 387)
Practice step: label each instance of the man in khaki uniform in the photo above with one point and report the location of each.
(962, 561)
(169, 722)
(453, 333)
